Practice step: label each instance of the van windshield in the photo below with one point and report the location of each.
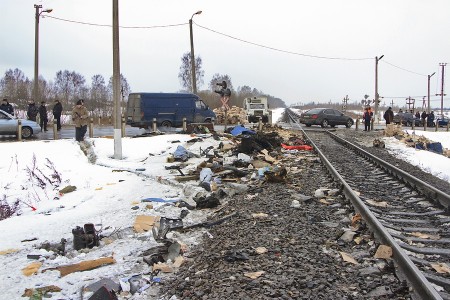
(200, 105)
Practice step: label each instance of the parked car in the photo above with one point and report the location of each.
(9, 125)
(407, 119)
(442, 121)
(325, 117)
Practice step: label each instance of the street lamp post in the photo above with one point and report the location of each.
(194, 80)
(36, 49)
(377, 59)
(428, 108)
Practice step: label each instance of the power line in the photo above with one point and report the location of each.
(280, 50)
(106, 25)
(232, 37)
(402, 68)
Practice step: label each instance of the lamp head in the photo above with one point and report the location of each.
(48, 10)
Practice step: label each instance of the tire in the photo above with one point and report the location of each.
(324, 123)
(332, 126)
(27, 132)
(166, 124)
(408, 124)
(308, 125)
(208, 121)
(349, 123)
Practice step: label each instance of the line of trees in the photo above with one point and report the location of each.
(70, 86)
(67, 87)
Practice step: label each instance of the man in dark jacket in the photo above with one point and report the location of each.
(43, 118)
(389, 115)
(57, 110)
(7, 107)
(424, 116)
(32, 111)
(430, 119)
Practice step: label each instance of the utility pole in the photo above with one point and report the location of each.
(429, 105)
(392, 103)
(38, 13)
(376, 87)
(424, 104)
(194, 80)
(442, 88)
(410, 101)
(344, 106)
(116, 84)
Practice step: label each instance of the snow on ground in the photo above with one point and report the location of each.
(277, 114)
(106, 191)
(433, 163)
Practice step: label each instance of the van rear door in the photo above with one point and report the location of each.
(134, 112)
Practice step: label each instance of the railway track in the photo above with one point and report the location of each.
(403, 212)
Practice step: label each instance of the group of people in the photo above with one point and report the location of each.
(33, 111)
(80, 115)
(426, 118)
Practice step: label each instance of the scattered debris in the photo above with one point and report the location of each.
(348, 258)
(236, 255)
(441, 268)
(144, 223)
(383, 251)
(378, 143)
(377, 203)
(41, 291)
(31, 269)
(8, 251)
(82, 266)
(86, 237)
(58, 248)
(68, 189)
(254, 275)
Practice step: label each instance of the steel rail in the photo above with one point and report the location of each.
(421, 287)
(423, 187)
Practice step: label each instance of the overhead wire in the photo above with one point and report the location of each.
(384, 61)
(244, 41)
(280, 50)
(107, 25)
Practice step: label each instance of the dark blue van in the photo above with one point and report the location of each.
(169, 109)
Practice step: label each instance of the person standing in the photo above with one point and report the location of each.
(32, 111)
(7, 107)
(430, 119)
(418, 114)
(389, 115)
(424, 116)
(57, 111)
(367, 117)
(80, 118)
(43, 118)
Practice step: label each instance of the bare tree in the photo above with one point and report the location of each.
(69, 86)
(185, 74)
(15, 86)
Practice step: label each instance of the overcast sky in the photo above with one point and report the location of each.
(413, 36)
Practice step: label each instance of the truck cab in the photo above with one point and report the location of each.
(257, 109)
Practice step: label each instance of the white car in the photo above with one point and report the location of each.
(9, 125)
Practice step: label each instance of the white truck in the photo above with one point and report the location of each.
(257, 109)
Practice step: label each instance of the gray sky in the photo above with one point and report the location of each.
(413, 36)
